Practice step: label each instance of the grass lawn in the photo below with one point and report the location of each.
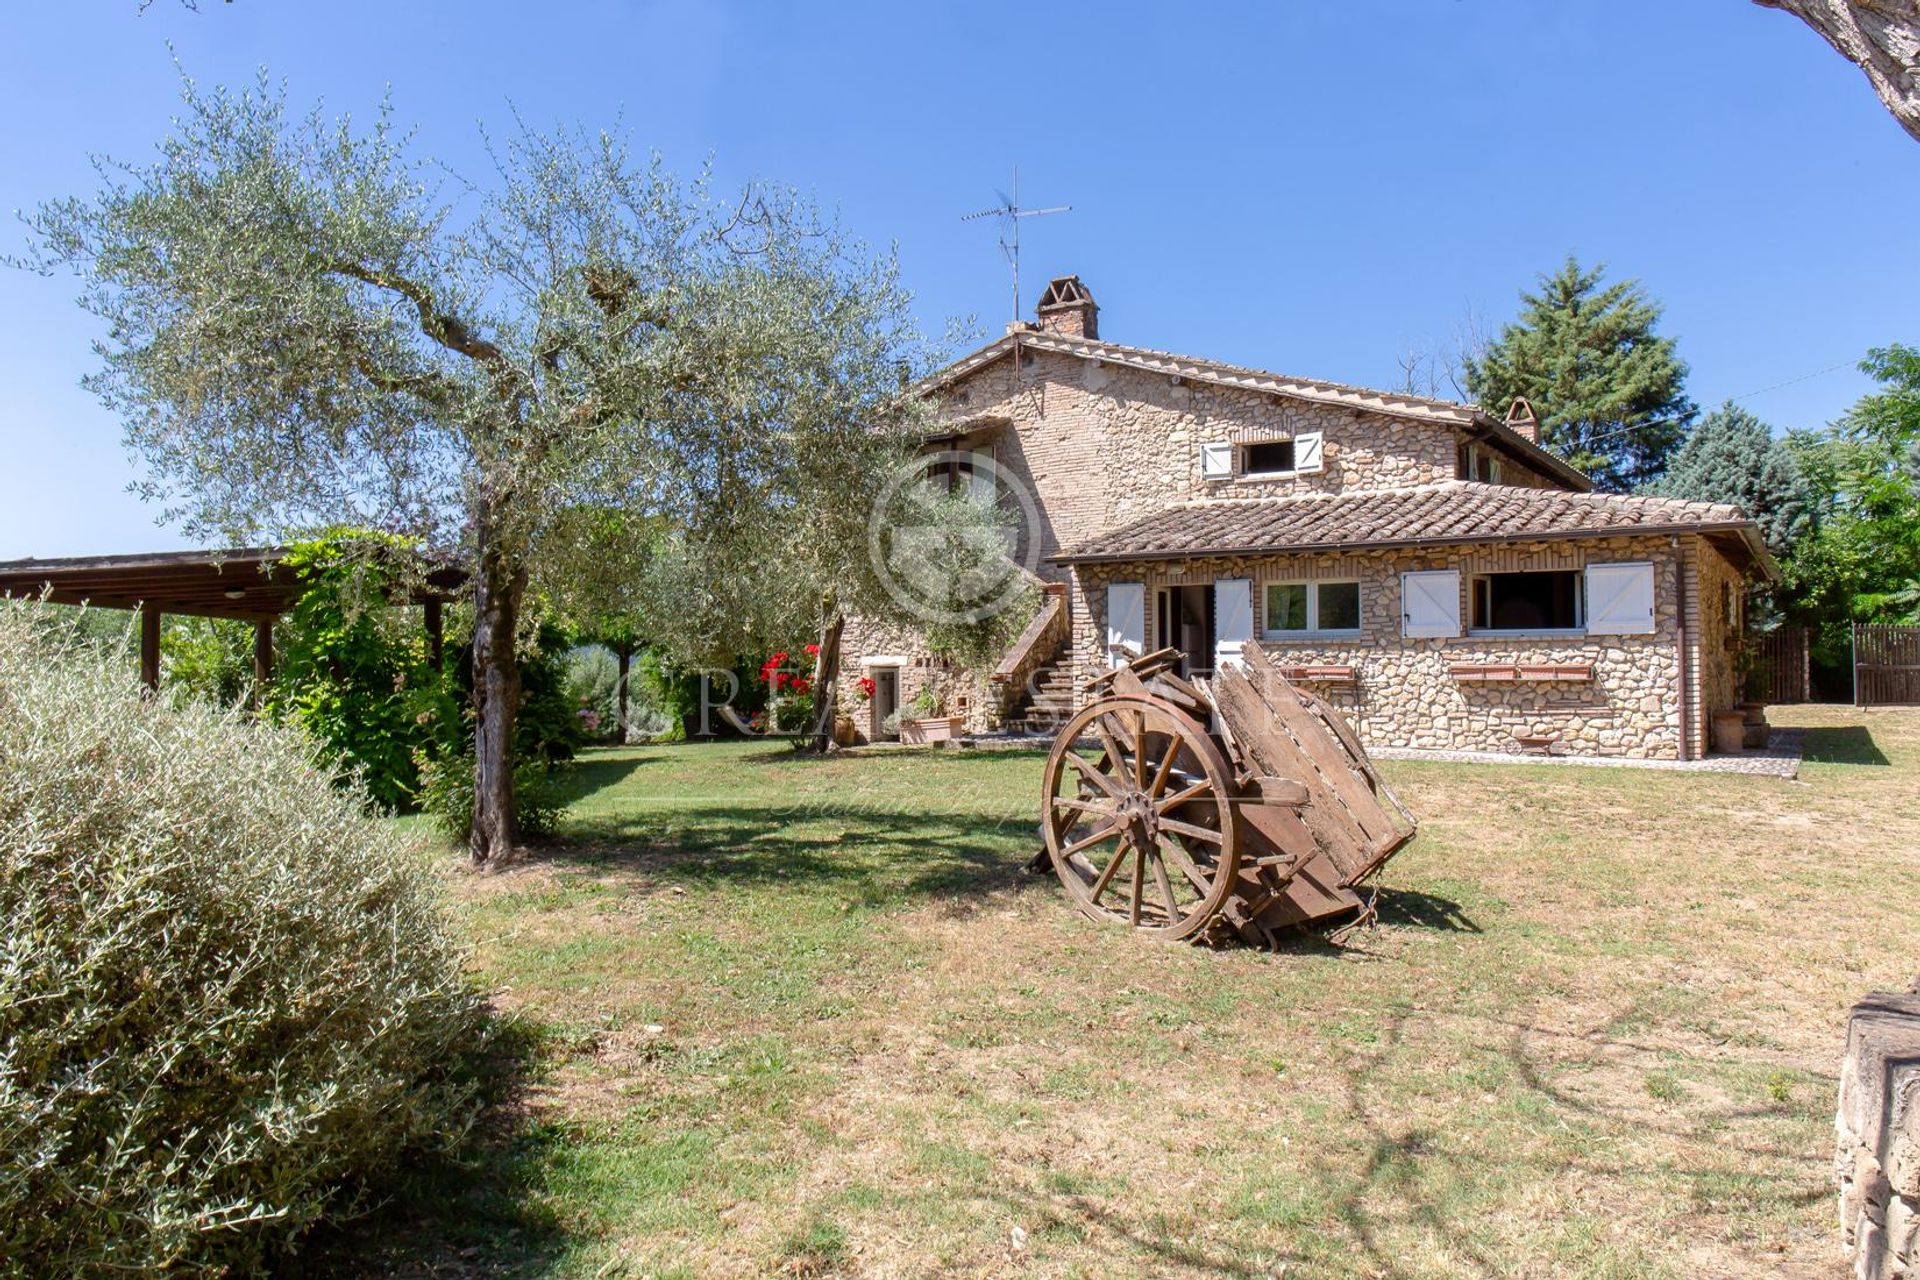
(809, 1018)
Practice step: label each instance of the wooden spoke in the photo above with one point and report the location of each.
(1139, 869)
(1178, 798)
(1188, 829)
(1105, 833)
(1165, 770)
(1114, 753)
(1166, 886)
(1088, 771)
(1139, 751)
(1083, 806)
(1170, 848)
(1106, 874)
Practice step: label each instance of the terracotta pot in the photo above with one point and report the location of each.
(1756, 735)
(844, 731)
(1729, 732)
(1755, 712)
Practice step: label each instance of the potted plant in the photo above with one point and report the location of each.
(930, 721)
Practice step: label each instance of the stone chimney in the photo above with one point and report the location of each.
(1521, 419)
(1068, 308)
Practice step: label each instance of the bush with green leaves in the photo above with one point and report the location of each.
(229, 1003)
(353, 671)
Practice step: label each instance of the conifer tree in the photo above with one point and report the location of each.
(1732, 456)
(1609, 391)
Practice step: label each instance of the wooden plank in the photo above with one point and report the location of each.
(1264, 746)
(1336, 759)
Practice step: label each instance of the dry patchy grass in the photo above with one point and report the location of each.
(808, 1018)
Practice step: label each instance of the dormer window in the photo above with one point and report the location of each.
(1479, 463)
(1275, 457)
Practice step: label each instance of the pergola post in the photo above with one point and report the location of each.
(436, 633)
(150, 646)
(262, 658)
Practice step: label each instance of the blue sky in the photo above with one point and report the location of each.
(1310, 187)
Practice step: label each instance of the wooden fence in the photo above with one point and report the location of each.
(1886, 665)
(1784, 659)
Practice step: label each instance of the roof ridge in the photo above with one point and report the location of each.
(1068, 340)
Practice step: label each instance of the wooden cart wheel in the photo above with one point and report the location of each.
(1137, 806)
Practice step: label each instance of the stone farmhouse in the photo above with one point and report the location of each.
(1429, 567)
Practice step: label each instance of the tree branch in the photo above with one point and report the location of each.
(449, 331)
(1881, 37)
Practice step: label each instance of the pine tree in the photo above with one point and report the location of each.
(1733, 456)
(1609, 391)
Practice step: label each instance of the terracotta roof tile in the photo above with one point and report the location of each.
(1453, 512)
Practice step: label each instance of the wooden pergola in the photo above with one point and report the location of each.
(245, 584)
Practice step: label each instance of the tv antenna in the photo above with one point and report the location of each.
(1009, 212)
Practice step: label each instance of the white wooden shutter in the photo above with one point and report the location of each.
(1430, 602)
(1620, 599)
(1126, 620)
(1232, 619)
(1216, 460)
(1308, 453)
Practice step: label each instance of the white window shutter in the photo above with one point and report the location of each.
(1430, 603)
(1126, 620)
(1620, 599)
(1232, 619)
(1216, 460)
(1308, 452)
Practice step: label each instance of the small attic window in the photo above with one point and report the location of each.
(1274, 457)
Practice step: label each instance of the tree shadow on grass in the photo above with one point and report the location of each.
(1842, 744)
(867, 851)
(475, 1211)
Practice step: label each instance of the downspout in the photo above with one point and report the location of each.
(1680, 631)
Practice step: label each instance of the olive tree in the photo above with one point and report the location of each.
(308, 324)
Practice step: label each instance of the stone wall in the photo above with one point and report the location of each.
(1877, 1137)
(866, 643)
(1405, 695)
(1101, 445)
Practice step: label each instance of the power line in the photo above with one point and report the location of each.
(1747, 395)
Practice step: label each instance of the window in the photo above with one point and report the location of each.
(1275, 457)
(1312, 608)
(1479, 463)
(1552, 601)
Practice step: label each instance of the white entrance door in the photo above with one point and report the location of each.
(1232, 618)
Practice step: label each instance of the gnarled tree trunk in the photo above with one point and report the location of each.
(499, 586)
(826, 679)
(1881, 37)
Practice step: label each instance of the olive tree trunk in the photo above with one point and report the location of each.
(625, 654)
(826, 680)
(499, 586)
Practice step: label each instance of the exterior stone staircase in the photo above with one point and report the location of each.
(1033, 683)
(1046, 702)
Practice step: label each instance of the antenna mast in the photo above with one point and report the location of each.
(1009, 212)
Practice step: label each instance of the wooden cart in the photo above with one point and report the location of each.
(1235, 808)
